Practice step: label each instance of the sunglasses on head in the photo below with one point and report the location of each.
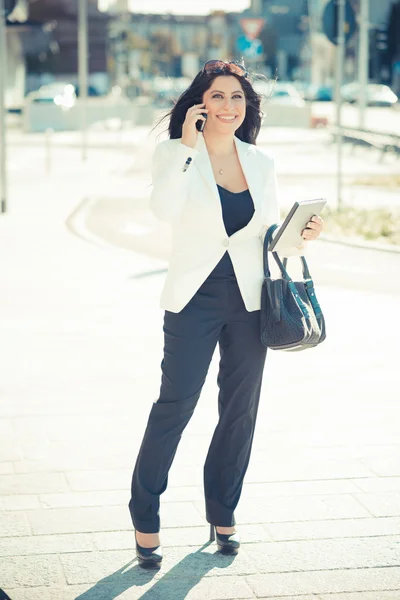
(221, 66)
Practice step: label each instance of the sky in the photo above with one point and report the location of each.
(188, 7)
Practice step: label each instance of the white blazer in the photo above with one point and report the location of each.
(190, 202)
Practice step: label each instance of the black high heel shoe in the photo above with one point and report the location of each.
(149, 558)
(227, 543)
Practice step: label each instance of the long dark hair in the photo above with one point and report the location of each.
(249, 129)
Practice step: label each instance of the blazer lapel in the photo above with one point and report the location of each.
(251, 168)
(203, 164)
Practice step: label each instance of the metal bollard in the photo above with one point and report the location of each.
(48, 137)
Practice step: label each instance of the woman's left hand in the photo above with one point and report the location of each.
(313, 228)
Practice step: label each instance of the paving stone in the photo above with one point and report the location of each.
(79, 520)
(81, 481)
(185, 476)
(46, 544)
(6, 468)
(383, 466)
(24, 571)
(115, 497)
(313, 555)
(179, 536)
(81, 499)
(9, 447)
(292, 488)
(19, 502)
(33, 483)
(378, 484)
(296, 508)
(324, 582)
(212, 588)
(13, 524)
(264, 470)
(31, 593)
(180, 514)
(177, 563)
(338, 528)
(381, 505)
(381, 595)
(183, 494)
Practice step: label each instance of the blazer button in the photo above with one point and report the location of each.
(226, 242)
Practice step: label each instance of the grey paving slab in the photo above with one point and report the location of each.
(6, 468)
(338, 528)
(82, 499)
(13, 524)
(381, 595)
(294, 470)
(378, 484)
(46, 544)
(19, 502)
(32, 483)
(25, 571)
(79, 520)
(81, 481)
(177, 563)
(385, 504)
(178, 536)
(297, 508)
(324, 582)
(31, 593)
(384, 466)
(165, 589)
(314, 555)
(292, 488)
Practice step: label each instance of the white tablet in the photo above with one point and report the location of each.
(289, 233)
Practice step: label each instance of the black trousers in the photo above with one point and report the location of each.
(215, 314)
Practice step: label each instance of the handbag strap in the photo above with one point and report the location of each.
(306, 271)
(308, 282)
(267, 240)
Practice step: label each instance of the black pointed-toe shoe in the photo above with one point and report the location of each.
(149, 558)
(227, 543)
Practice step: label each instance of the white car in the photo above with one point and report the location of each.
(377, 94)
(279, 93)
(61, 94)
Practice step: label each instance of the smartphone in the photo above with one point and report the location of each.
(200, 124)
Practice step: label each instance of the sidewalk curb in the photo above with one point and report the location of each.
(77, 219)
(364, 245)
(76, 224)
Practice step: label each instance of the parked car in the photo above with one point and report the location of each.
(91, 91)
(318, 93)
(377, 94)
(279, 93)
(59, 93)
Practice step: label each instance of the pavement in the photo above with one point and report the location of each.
(81, 350)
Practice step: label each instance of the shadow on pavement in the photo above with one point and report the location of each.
(174, 585)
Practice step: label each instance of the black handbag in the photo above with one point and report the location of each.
(291, 318)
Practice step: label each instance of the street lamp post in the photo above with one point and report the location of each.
(83, 70)
(363, 61)
(340, 53)
(3, 84)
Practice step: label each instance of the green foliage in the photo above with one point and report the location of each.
(372, 224)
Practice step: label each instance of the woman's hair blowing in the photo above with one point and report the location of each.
(249, 129)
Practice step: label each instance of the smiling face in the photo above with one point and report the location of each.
(226, 102)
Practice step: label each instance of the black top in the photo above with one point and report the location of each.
(237, 212)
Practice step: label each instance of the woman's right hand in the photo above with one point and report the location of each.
(189, 129)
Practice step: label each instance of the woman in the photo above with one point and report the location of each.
(217, 190)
